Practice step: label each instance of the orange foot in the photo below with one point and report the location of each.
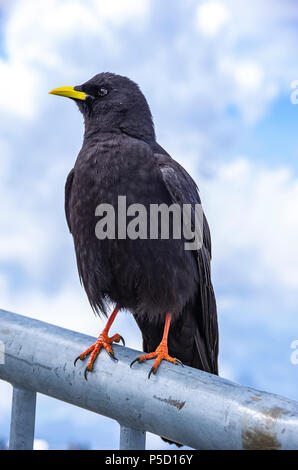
(161, 354)
(102, 341)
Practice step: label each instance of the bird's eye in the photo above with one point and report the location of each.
(102, 91)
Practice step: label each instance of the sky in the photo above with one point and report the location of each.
(217, 75)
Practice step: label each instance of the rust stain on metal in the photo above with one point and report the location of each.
(256, 399)
(274, 413)
(259, 440)
(6, 332)
(170, 401)
(263, 438)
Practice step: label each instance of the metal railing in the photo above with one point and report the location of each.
(186, 405)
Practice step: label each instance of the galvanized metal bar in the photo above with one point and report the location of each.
(131, 439)
(185, 405)
(22, 419)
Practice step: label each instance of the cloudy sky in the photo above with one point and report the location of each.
(217, 75)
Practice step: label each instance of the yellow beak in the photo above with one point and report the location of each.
(69, 92)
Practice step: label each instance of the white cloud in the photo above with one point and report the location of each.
(62, 19)
(5, 398)
(76, 37)
(253, 209)
(17, 94)
(248, 60)
(68, 308)
(249, 75)
(25, 233)
(121, 11)
(40, 444)
(211, 16)
(36, 31)
(251, 88)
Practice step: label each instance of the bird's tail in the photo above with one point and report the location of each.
(193, 338)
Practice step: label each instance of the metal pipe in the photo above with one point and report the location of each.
(186, 405)
(131, 439)
(22, 419)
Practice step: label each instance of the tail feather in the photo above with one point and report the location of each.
(191, 339)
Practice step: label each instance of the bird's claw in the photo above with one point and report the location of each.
(103, 341)
(152, 371)
(135, 360)
(179, 362)
(86, 372)
(76, 360)
(160, 354)
(111, 354)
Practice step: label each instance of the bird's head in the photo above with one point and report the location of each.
(112, 103)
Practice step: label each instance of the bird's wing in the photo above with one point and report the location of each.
(68, 186)
(183, 190)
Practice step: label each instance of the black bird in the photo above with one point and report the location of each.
(165, 286)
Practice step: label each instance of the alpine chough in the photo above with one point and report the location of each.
(167, 288)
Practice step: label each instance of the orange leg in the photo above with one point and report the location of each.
(161, 352)
(102, 341)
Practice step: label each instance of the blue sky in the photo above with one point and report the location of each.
(217, 75)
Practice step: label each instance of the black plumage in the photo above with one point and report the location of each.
(120, 156)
